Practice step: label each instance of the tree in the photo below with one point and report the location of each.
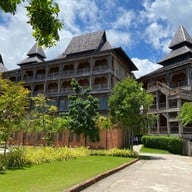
(106, 124)
(83, 113)
(186, 114)
(13, 106)
(43, 17)
(128, 105)
(45, 119)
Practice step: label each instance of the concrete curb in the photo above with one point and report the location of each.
(97, 178)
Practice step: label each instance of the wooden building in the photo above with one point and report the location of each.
(91, 60)
(171, 86)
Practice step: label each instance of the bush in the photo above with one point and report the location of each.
(115, 152)
(175, 146)
(38, 155)
(172, 144)
(15, 158)
(2, 163)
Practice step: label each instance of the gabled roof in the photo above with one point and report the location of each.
(176, 53)
(90, 42)
(181, 44)
(2, 66)
(35, 55)
(180, 36)
(36, 50)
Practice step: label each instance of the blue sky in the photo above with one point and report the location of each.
(143, 28)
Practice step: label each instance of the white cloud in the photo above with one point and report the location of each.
(118, 38)
(15, 38)
(144, 66)
(125, 19)
(162, 18)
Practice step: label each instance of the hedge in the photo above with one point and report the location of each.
(172, 144)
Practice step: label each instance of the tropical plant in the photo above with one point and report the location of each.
(83, 113)
(128, 105)
(13, 106)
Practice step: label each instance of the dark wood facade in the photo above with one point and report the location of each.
(89, 58)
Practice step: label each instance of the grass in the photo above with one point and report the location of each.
(57, 176)
(155, 151)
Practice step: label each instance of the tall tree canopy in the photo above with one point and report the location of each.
(129, 104)
(43, 17)
(83, 113)
(186, 113)
(13, 106)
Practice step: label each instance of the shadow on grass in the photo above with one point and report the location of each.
(3, 172)
(150, 157)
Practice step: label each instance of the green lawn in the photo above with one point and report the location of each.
(57, 176)
(151, 150)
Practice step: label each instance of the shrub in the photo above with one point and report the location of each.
(172, 144)
(2, 163)
(15, 158)
(115, 152)
(175, 146)
(37, 155)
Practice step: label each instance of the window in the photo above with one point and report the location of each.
(63, 105)
(103, 103)
(52, 102)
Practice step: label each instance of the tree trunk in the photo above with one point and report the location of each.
(85, 140)
(106, 138)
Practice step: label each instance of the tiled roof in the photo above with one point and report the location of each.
(166, 68)
(180, 36)
(175, 53)
(35, 55)
(180, 45)
(36, 50)
(90, 42)
(106, 46)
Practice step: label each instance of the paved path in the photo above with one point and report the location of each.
(162, 173)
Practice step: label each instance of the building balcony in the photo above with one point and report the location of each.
(68, 73)
(28, 79)
(187, 130)
(39, 77)
(100, 86)
(100, 69)
(52, 91)
(83, 71)
(52, 75)
(179, 84)
(37, 92)
(67, 90)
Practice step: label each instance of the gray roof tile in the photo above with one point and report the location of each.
(36, 50)
(180, 36)
(176, 52)
(88, 42)
(35, 55)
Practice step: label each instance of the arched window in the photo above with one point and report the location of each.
(52, 87)
(84, 82)
(40, 74)
(83, 67)
(100, 65)
(100, 83)
(68, 69)
(179, 80)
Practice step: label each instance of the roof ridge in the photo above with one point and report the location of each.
(36, 50)
(180, 36)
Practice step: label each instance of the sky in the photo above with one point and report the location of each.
(143, 28)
